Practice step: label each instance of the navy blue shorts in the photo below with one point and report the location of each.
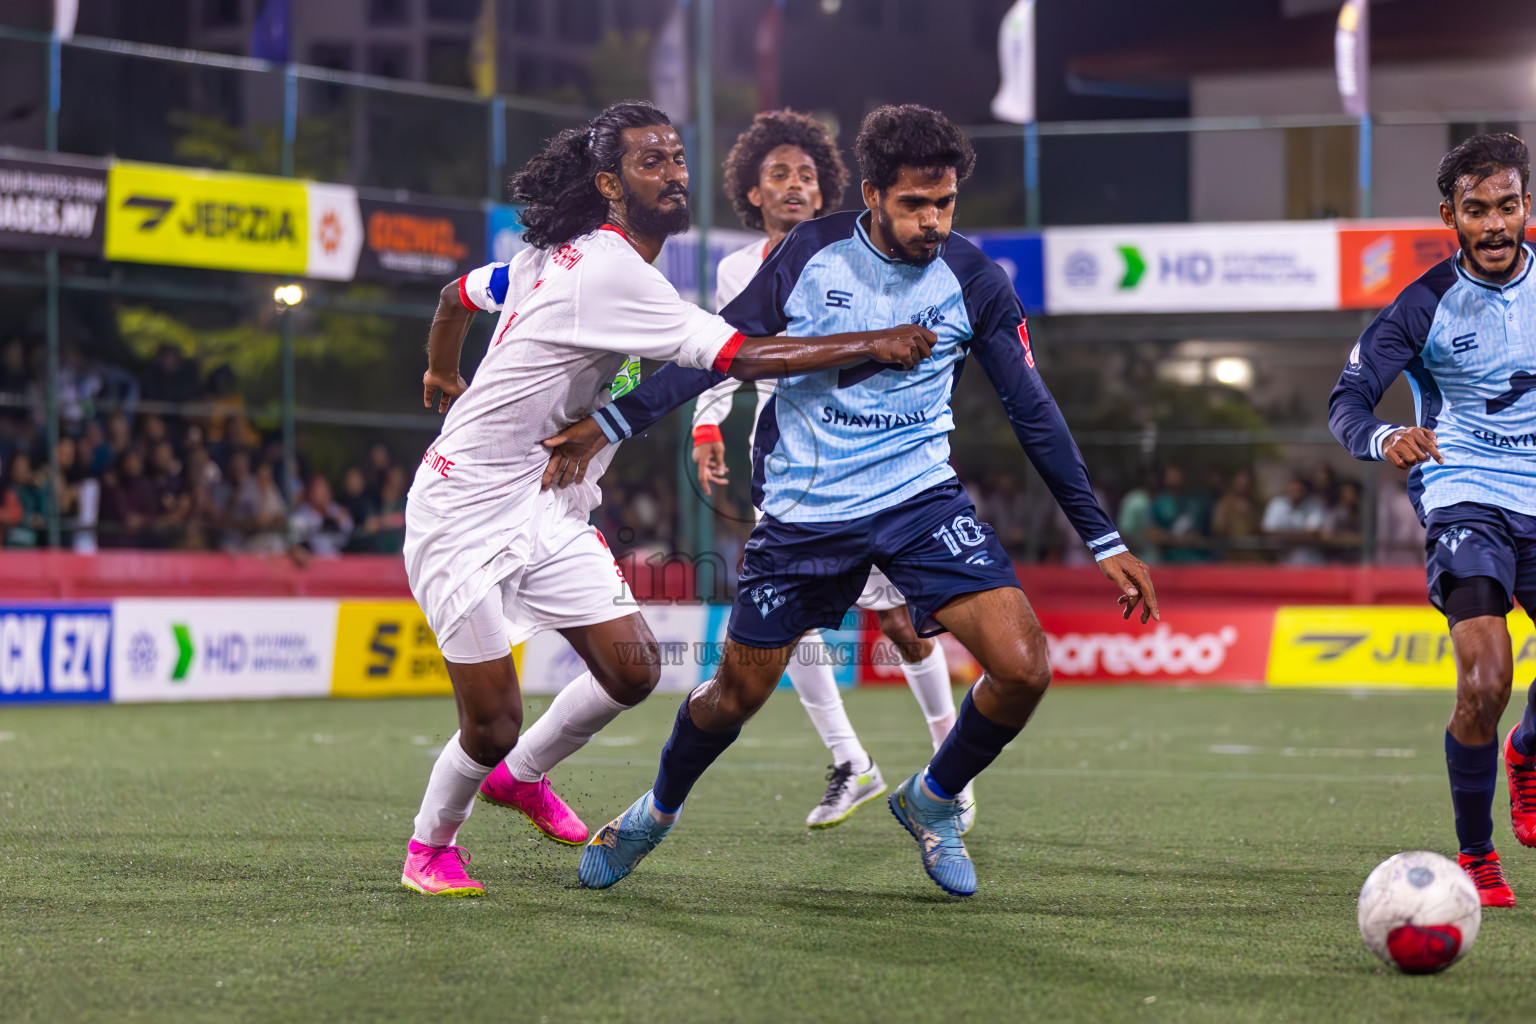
(797, 577)
(1471, 539)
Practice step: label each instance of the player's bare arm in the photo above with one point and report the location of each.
(441, 384)
(1406, 447)
(904, 345)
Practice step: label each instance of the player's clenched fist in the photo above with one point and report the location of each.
(1409, 446)
(905, 345)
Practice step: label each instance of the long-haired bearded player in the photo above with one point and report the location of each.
(491, 559)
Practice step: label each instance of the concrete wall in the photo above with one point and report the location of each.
(1242, 175)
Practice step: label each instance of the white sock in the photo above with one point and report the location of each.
(929, 680)
(576, 714)
(810, 670)
(450, 795)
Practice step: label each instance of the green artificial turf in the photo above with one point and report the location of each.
(1143, 855)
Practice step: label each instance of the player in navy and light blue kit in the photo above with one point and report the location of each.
(1465, 335)
(851, 469)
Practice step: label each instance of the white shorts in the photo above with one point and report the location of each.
(570, 580)
(880, 594)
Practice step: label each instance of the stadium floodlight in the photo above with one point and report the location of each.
(288, 295)
(1233, 371)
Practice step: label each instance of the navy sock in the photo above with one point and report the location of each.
(973, 743)
(1525, 733)
(689, 751)
(1474, 775)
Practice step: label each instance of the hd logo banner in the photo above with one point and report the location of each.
(172, 649)
(55, 653)
(207, 219)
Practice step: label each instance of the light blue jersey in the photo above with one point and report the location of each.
(1468, 349)
(838, 445)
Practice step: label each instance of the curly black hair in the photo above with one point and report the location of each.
(1482, 156)
(770, 130)
(893, 137)
(557, 188)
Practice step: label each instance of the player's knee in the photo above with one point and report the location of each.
(1028, 673)
(1485, 688)
(490, 738)
(632, 682)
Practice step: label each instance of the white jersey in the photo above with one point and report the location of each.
(569, 321)
(731, 277)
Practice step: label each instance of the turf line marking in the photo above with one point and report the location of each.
(1071, 773)
(1243, 749)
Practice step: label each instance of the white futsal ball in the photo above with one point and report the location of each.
(1419, 912)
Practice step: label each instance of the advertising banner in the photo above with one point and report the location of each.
(212, 219)
(386, 649)
(415, 241)
(172, 649)
(1022, 255)
(503, 233)
(55, 653)
(1347, 645)
(1192, 268)
(1376, 262)
(53, 205)
(335, 231)
(1196, 645)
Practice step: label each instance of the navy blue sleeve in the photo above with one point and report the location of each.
(758, 312)
(1390, 345)
(657, 395)
(1000, 343)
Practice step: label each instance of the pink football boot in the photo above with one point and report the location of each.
(538, 801)
(439, 871)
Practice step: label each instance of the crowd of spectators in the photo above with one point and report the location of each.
(209, 481)
(1313, 519)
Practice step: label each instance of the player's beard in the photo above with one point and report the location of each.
(654, 221)
(888, 229)
(1469, 249)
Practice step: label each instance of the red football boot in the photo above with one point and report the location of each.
(1488, 875)
(1521, 771)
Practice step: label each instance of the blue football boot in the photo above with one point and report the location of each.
(620, 845)
(936, 826)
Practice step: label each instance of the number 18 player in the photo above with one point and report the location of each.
(1465, 335)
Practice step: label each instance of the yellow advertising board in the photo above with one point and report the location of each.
(386, 649)
(213, 219)
(1328, 646)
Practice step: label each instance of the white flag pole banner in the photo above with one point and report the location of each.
(1192, 268)
(335, 231)
(65, 13)
(669, 67)
(1015, 99)
(175, 649)
(1352, 56)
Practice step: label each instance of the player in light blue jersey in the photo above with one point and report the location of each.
(851, 469)
(1465, 336)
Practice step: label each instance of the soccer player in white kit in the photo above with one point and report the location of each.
(783, 170)
(490, 557)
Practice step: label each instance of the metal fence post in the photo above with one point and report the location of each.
(51, 312)
(290, 438)
(290, 117)
(1367, 172)
(1032, 174)
(497, 160)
